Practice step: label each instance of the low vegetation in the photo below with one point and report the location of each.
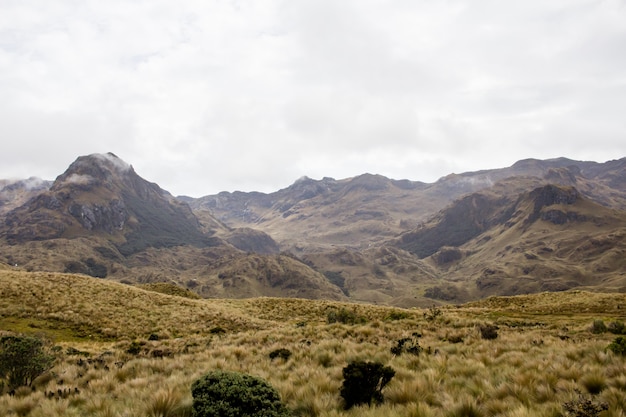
(124, 351)
(225, 393)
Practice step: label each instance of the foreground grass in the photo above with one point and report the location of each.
(124, 351)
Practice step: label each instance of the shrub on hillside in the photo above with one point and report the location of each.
(432, 313)
(230, 394)
(584, 407)
(618, 346)
(135, 347)
(363, 383)
(598, 327)
(407, 345)
(280, 353)
(344, 316)
(22, 359)
(489, 331)
(616, 327)
(397, 315)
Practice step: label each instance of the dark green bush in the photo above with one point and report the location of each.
(407, 345)
(616, 327)
(232, 394)
(135, 347)
(598, 327)
(22, 359)
(489, 331)
(584, 407)
(397, 315)
(432, 313)
(280, 353)
(618, 346)
(344, 316)
(363, 383)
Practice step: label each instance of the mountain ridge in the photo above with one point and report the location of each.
(537, 225)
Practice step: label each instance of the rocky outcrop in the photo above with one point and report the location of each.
(108, 218)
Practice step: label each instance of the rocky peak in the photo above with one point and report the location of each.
(94, 169)
(102, 193)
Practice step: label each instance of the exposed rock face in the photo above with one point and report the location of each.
(103, 194)
(100, 217)
(561, 217)
(550, 195)
(455, 225)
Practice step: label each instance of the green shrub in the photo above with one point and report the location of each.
(598, 327)
(616, 327)
(584, 407)
(397, 315)
(280, 353)
(618, 346)
(232, 394)
(344, 316)
(135, 347)
(407, 345)
(363, 383)
(489, 331)
(22, 359)
(432, 313)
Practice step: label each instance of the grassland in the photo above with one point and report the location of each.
(127, 351)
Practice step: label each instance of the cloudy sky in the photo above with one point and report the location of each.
(203, 96)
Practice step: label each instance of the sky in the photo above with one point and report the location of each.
(204, 96)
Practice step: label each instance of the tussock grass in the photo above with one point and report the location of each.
(529, 370)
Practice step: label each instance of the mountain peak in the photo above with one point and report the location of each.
(93, 169)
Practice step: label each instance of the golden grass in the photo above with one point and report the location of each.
(543, 354)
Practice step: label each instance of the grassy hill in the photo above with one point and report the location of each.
(129, 351)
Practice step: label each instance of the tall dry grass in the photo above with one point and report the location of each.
(538, 361)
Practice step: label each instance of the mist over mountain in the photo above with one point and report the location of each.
(539, 225)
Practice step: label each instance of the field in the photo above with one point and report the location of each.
(128, 351)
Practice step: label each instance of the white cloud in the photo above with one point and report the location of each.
(206, 96)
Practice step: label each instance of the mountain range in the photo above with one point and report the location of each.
(539, 225)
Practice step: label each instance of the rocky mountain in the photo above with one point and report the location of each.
(535, 226)
(355, 213)
(551, 238)
(100, 195)
(102, 219)
(410, 243)
(14, 193)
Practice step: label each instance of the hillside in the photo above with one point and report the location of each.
(123, 350)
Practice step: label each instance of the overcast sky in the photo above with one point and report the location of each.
(203, 96)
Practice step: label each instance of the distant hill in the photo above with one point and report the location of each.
(539, 225)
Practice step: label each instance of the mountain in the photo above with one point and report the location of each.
(355, 213)
(548, 239)
(410, 243)
(539, 225)
(100, 195)
(14, 193)
(102, 219)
